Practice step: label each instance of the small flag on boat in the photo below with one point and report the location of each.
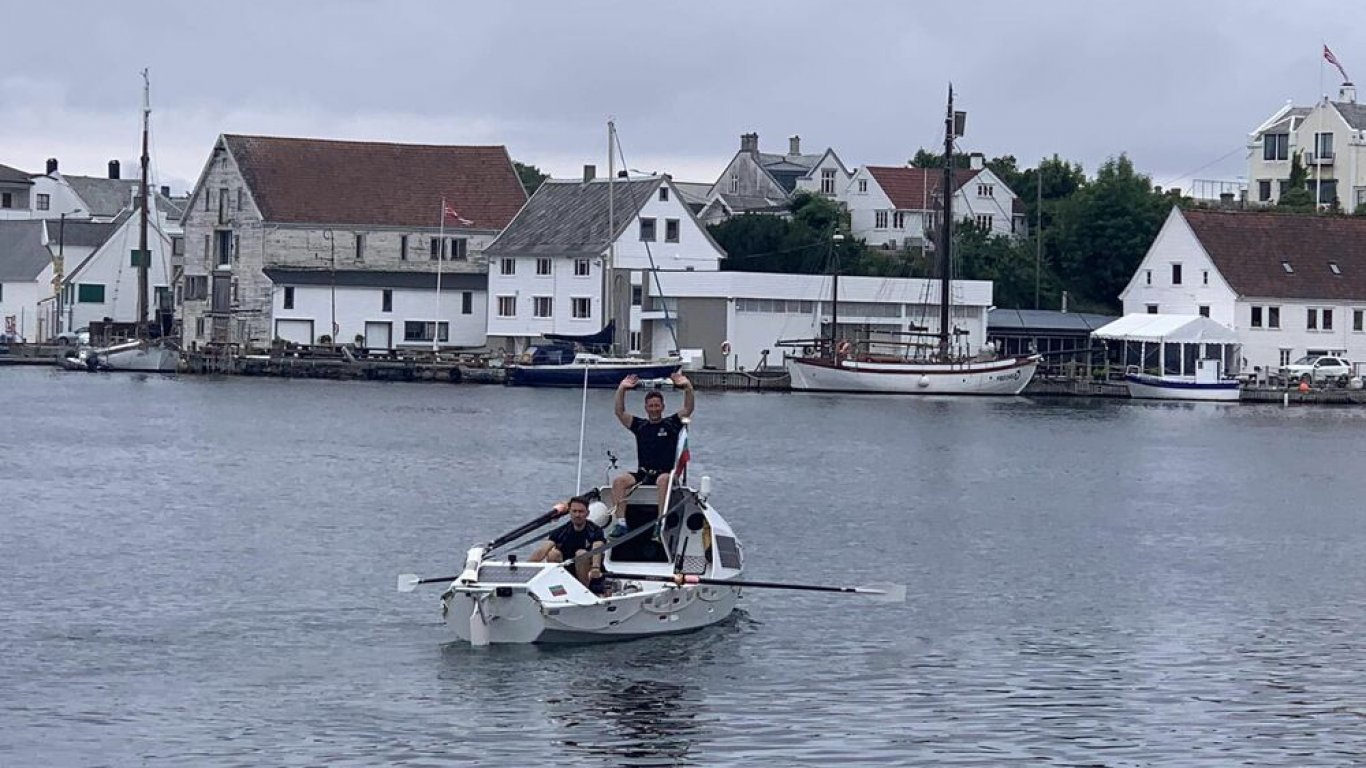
(556, 590)
(681, 461)
(451, 213)
(1331, 59)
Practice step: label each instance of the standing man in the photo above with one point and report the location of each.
(576, 537)
(656, 444)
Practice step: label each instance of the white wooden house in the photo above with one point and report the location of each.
(764, 182)
(893, 207)
(1328, 138)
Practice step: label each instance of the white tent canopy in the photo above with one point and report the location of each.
(1169, 329)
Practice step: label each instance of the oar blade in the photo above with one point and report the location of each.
(885, 593)
(407, 582)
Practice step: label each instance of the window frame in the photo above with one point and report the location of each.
(507, 266)
(671, 230)
(506, 302)
(648, 230)
(549, 266)
(540, 302)
(578, 303)
(287, 299)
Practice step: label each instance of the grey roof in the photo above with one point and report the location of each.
(1286, 123)
(1044, 321)
(693, 191)
(569, 217)
(789, 162)
(80, 233)
(22, 253)
(10, 175)
(752, 203)
(1353, 113)
(103, 197)
(450, 281)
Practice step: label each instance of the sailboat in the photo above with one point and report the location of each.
(148, 351)
(938, 367)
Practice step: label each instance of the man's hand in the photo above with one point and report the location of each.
(679, 380)
(629, 382)
(594, 573)
(560, 508)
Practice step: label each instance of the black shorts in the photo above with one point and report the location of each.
(648, 476)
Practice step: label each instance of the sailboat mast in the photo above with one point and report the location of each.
(608, 311)
(946, 232)
(144, 257)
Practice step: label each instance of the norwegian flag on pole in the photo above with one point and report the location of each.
(450, 213)
(1331, 59)
(684, 455)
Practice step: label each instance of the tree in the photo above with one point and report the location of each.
(530, 175)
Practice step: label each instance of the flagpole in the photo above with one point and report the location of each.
(1318, 166)
(440, 257)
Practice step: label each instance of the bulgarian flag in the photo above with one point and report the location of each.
(683, 455)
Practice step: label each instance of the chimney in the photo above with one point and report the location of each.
(1064, 301)
(749, 142)
(113, 169)
(166, 191)
(794, 145)
(976, 161)
(589, 173)
(1348, 93)
(51, 165)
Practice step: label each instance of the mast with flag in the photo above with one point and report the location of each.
(446, 212)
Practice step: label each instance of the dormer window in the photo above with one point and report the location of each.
(1333, 265)
(863, 185)
(1289, 270)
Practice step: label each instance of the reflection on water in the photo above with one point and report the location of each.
(638, 722)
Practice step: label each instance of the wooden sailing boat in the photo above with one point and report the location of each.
(149, 351)
(940, 368)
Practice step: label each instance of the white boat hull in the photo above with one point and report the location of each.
(1007, 376)
(139, 356)
(1180, 388)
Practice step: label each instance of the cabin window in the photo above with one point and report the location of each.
(386, 301)
(1204, 310)
(582, 268)
(289, 297)
(90, 293)
(671, 230)
(42, 201)
(1176, 274)
(827, 181)
(402, 247)
(1273, 317)
(663, 194)
(582, 308)
(647, 229)
(507, 306)
(1256, 321)
(467, 303)
(542, 306)
(507, 266)
(542, 265)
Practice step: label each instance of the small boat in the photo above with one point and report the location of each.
(157, 356)
(569, 361)
(1206, 384)
(1174, 357)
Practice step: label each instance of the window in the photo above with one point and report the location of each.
(983, 220)
(7, 200)
(196, 287)
(541, 306)
(1204, 310)
(386, 300)
(1152, 309)
(420, 330)
(880, 220)
(199, 327)
(1276, 146)
(239, 198)
(734, 182)
(986, 190)
(360, 247)
(827, 181)
(1326, 318)
(42, 201)
(402, 247)
(1323, 146)
(637, 295)
(177, 246)
(90, 293)
(223, 249)
(222, 204)
(647, 230)
(1285, 356)
(1273, 317)
(1148, 276)
(898, 220)
(289, 297)
(1204, 277)
(1289, 270)
(507, 266)
(663, 194)
(1311, 320)
(863, 185)
(1176, 274)
(507, 306)
(1264, 190)
(449, 249)
(582, 268)
(635, 341)
(1333, 266)
(467, 303)
(671, 230)
(2, 291)
(582, 308)
(542, 265)
(1357, 320)
(1256, 317)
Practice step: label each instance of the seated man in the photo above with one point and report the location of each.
(656, 444)
(572, 539)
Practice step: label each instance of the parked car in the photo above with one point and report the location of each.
(1317, 369)
(80, 336)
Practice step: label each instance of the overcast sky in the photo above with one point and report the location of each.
(1175, 85)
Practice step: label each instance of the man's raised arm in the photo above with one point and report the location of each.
(622, 416)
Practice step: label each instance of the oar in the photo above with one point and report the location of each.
(407, 582)
(888, 593)
(522, 529)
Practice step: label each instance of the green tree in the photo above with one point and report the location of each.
(531, 177)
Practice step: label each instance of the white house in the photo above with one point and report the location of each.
(103, 285)
(763, 182)
(548, 271)
(1290, 285)
(313, 212)
(25, 280)
(753, 310)
(1329, 137)
(893, 206)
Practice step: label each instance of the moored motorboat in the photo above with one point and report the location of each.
(597, 370)
(1206, 384)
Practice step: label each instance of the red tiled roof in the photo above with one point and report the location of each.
(912, 189)
(1249, 248)
(318, 181)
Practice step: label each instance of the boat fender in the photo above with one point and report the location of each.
(725, 347)
(599, 513)
(924, 381)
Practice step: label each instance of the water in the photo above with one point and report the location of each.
(201, 572)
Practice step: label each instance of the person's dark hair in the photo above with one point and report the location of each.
(654, 393)
(580, 500)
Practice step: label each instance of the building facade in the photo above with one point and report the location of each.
(894, 207)
(1330, 140)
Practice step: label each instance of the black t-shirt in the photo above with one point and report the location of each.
(569, 541)
(657, 443)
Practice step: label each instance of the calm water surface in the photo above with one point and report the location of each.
(201, 572)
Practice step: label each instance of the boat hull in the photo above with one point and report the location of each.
(138, 356)
(1167, 388)
(605, 376)
(1006, 377)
